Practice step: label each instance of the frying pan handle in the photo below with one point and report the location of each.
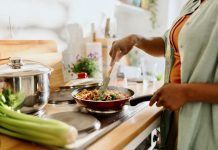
(136, 100)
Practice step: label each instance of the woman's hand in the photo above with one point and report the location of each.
(172, 96)
(122, 47)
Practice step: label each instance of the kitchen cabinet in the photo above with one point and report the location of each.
(146, 138)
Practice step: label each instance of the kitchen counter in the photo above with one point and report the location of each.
(122, 136)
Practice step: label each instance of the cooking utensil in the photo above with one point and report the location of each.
(105, 83)
(28, 77)
(107, 78)
(110, 106)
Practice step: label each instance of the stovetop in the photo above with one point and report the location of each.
(99, 126)
(91, 125)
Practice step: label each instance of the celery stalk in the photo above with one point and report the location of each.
(58, 131)
(43, 131)
(26, 117)
(47, 128)
(31, 128)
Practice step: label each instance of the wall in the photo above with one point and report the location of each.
(34, 19)
(47, 20)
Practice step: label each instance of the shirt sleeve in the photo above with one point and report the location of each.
(165, 38)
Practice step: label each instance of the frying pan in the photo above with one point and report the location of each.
(113, 105)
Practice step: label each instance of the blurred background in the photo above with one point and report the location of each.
(74, 23)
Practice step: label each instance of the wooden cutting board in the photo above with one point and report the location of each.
(22, 47)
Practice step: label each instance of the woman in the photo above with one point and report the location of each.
(191, 90)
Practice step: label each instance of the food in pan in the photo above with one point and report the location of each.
(95, 95)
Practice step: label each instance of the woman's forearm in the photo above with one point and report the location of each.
(202, 92)
(153, 46)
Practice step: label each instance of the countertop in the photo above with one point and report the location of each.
(117, 138)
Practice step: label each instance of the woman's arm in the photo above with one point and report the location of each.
(202, 92)
(153, 46)
(174, 96)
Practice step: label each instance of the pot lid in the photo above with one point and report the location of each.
(17, 67)
(80, 83)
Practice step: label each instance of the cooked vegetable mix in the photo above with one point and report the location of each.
(31, 128)
(95, 95)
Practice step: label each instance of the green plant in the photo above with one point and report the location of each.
(85, 64)
(152, 7)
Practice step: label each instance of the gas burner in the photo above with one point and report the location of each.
(82, 122)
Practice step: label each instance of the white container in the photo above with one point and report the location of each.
(94, 49)
(74, 50)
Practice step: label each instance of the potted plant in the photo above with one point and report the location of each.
(85, 64)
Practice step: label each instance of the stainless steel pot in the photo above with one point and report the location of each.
(28, 77)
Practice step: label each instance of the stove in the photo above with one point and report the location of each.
(91, 125)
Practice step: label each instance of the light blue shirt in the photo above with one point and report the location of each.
(198, 47)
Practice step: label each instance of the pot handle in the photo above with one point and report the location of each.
(136, 100)
(3, 59)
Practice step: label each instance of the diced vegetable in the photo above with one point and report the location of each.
(113, 97)
(32, 128)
